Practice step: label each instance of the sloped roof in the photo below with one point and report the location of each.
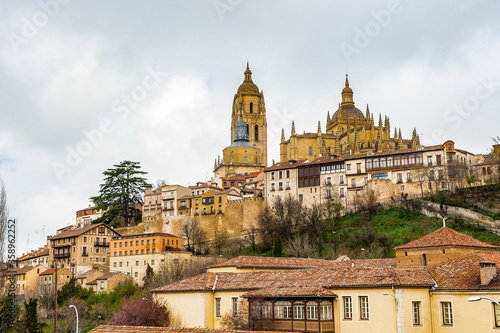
(445, 237)
(463, 273)
(294, 263)
(87, 274)
(148, 329)
(79, 231)
(18, 271)
(304, 291)
(51, 271)
(309, 278)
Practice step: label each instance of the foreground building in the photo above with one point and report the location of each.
(380, 295)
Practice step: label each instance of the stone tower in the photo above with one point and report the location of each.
(253, 108)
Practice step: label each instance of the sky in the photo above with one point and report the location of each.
(87, 84)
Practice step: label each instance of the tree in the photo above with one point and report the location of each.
(141, 312)
(121, 192)
(4, 216)
(314, 224)
(148, 278)
(368, 202)
(420, 174)
(29, 321)
(189, 229)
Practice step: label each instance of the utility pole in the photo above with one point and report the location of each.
(55, 292)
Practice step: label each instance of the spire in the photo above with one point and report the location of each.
(340, 112)
(380, 121)
(248, 74)
(293, 128)
(400, 137)
(215, 164)
(347, 94)
(218, 159)
(367, 113)
(319, 127)
(241, 132)
(328, 119)
(395, 134)
(282, 135)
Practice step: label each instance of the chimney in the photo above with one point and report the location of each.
(488, 271)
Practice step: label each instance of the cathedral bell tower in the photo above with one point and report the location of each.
(250, 100)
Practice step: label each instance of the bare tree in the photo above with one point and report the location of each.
(251, 235)
(299, 247)
(189, 229)
(4, 216)
(420, 175)
(368, 202)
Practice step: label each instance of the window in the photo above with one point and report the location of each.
(353, 182)
(341, 179)
(312, 311)
(121, 264)
(447, 313)
(342, 193)
(348, 167)
(152, 262)
(272, 175)
(325, 309)
(310, 151)
(217, 307)
(114, 264)
(234, 301)
(280, 186)
(273, 187)
(328, 180)
(298, 310)
(497, 315)
(287, 173)
(137, 263)
(415, 306)
(347, 301)
(287, 185)
(301, 197)
(364, 313)
(245, 159)
(136, 274)
(256, 131)
(102, 285)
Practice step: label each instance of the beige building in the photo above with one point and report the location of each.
(78, 248)
(25, 278)
(34, 258)
(372, 295)
(344, 179)
(47, 278)
(85, 216)
(107, 282)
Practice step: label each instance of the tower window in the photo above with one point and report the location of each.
(251, 107)
(248, 130)
(256, 132)
(245, 159)
(310, 151)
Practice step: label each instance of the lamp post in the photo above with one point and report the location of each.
(74, 307)
(478, 298)
(395, 308)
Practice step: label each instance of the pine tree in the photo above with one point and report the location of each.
(121, 192)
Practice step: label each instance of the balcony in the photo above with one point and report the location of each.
(104, 244)
(85, 254)
(63, 245)
(62, 255)
(168, 208)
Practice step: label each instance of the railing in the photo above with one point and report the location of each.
(85, 254)
(101, 244)
(62, 255)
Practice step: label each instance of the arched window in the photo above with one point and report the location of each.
(251, 107)
(232, 159)
(256, 132)
(424, 259)
(245, 159)
(310, 151)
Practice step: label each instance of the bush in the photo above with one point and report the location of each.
(141, 312)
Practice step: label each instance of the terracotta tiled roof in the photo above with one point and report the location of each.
(253, 174)
(445, 237)
(87, 274)
(291, 292)
(345, 276)
(51, 271)
(464, 273)
(294, 263)
(79, 231)
(141, 329)
(18, 271)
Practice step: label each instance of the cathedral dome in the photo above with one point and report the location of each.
(349, 111)
(248, 85)
(347, 89)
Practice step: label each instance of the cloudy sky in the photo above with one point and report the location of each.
(87, 84)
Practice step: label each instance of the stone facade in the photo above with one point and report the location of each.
(348, 131)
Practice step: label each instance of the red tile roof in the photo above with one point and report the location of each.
(51, 271)
(18, 271)
(344, 276)
(464, 273)
(307, 291)
(141, 329)
(79, 231)
(445, 237)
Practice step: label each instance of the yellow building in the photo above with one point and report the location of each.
(372, 295)
(248, 150)
(25, 278)
(347, 131)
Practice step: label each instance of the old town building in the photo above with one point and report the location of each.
(371, 295)
(78, 248)
(87, 215)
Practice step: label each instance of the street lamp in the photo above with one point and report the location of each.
(387, 294)
(74, 307)
(478, 298)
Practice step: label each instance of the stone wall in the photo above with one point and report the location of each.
(432, 209)
(238, 216)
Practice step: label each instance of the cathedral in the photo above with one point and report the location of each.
(248, 150)
(348, 131)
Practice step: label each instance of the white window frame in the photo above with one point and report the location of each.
(364, 307)
(347, 306)
(234, 305)
(416, 313)
(218, 312)
(447, 313)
